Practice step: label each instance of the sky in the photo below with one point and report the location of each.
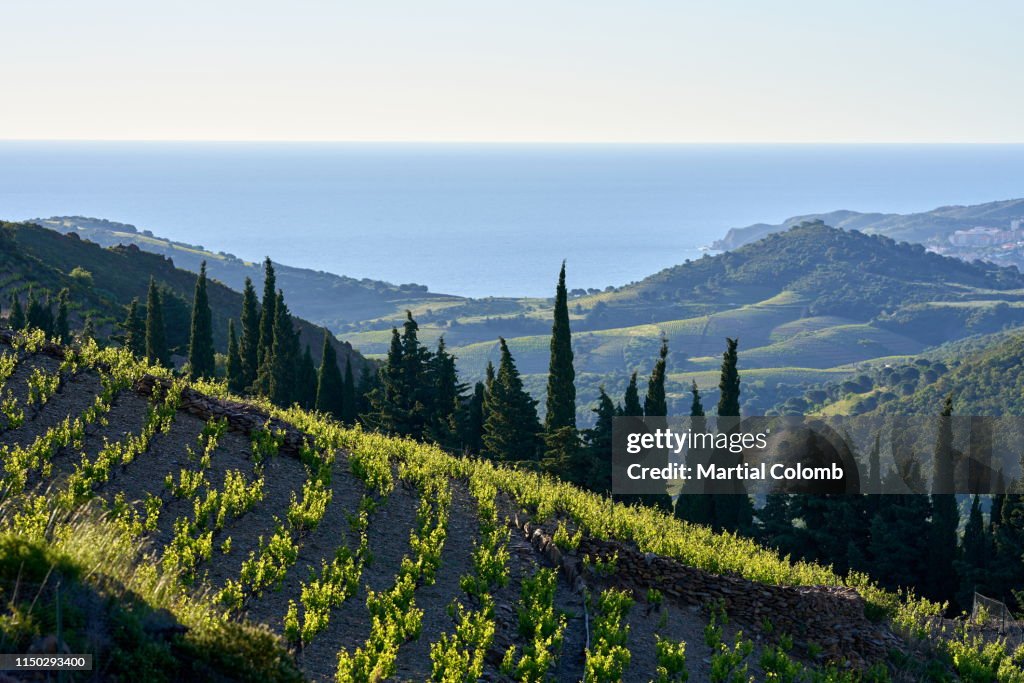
(474, 70)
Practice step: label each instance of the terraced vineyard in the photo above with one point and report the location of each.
(372, 558)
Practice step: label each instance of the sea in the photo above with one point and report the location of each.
(484, 219)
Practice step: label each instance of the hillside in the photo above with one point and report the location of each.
(350, 547)
(330, 300)
(47, 260)
(914, 227)
(983, 374)
(810, 303)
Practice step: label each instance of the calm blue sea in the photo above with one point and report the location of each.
(484, 219)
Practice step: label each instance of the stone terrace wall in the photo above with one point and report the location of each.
(832, 618)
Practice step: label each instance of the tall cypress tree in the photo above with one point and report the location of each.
(267, 315)
(419, 402)
(283, 360)
(369, 385)
(249, 344)
(631, 406)
(156, 336)
(655, 403)
(134, 326)
(561, 397)
(16, 319)
(330, 384)
(349, 406)
(236, 380)
(61, 326)
(696, 406)
(200, 344)
(729, 385)
(511, 428)
(942, 583)
(38, 315)
(732, 511)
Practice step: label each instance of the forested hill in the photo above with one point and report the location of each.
(334, 301)
(912, 227)
(103, 281)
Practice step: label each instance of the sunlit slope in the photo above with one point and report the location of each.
(352, 547)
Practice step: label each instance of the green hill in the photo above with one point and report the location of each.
(375, 558)
(103, 281)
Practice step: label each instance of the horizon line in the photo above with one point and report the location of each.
(526, 142)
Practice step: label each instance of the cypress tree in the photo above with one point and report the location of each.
(16, 319)
(236, 381)
(330, 385)
(306, 381)
(511, 428)
(942, 584)
(250, 340)
(561, 396)
(200, 344)
(631, 400)
(655, 404)
(134, 326)
(282, 362)
(419, 403)
(156, 336)
(34, 317)
(267, 315)
(489, 377)
(696, 406)
(729, 385)
(732, 511)
(598, 473)
(349, 405)
(61, 329)
(1008, 563)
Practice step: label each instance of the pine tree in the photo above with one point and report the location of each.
(16, 319)
(442, 427)
(942, 583)
(561, 395)
(61, 326)
(330, 384)
(201, 361)
(655, 404)
(250, 340)
(134, 326)
(156, 337)
(511, 428)
(236, 380)
(631, 406)
(349, 407)
(267, 317)
(598, 473)
(369, 385)
(403, 403)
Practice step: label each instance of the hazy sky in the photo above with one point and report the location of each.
(558, 70)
